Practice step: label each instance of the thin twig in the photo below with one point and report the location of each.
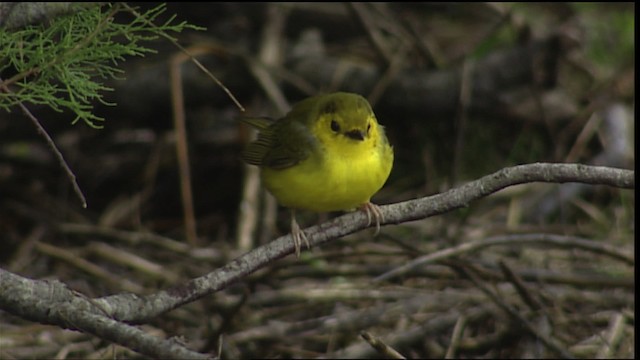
(133, 238)
(133, 261)
(381, 347)
(548, 342)
(182, 151)
(532, 301)
(195, 61)
(88, 267)
(541, 239)
(270, 55)
(395, 66)
(614, 336)
(458, 330)
(368, 23)
(52, 145)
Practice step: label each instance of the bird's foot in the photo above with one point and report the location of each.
(298, 235)
(373, 212)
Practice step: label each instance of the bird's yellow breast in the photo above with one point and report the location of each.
(343, 174)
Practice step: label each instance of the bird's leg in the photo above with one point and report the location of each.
(297, 234)
(373, 211)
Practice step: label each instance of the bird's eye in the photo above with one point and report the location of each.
(368, 127)
(335, 126)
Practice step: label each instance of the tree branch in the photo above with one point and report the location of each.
(352, 222)
(14, 15)
(53, 303)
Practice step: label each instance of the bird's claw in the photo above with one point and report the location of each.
(373, 212)
(298, 236)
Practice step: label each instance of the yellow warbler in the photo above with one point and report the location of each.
(328, 153)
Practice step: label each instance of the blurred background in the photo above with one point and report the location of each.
(463, 90)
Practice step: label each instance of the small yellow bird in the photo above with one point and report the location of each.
(327, 154)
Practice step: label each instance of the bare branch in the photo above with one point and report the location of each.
(51, 302)
(15, 15)
(52, 145)
(381, 347)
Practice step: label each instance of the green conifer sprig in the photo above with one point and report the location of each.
(63, 64)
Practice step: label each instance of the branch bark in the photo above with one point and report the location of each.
(14, 15)
(51, 302)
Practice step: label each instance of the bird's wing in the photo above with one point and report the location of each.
(280, 144)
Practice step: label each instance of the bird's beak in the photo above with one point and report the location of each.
(356, 134)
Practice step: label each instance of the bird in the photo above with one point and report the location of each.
(328, 153)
